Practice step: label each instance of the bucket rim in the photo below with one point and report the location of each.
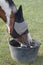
(26, 47)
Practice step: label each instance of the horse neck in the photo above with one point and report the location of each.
(6, 8)
(3, 16)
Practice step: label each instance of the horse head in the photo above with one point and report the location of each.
(16, 25)
(20, 28)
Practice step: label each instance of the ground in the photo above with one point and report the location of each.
(33, 14)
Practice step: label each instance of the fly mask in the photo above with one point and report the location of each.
(20, 28)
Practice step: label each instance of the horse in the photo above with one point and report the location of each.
(14, 20)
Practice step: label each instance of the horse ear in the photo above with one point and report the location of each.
(20, 9)
(19, 12)
(19, 15)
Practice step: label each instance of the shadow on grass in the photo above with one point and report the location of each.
(38, 61)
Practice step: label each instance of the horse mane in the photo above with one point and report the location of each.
(11, 3)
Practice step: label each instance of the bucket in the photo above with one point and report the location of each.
(23, 54)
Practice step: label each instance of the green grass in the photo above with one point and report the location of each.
(33, 14)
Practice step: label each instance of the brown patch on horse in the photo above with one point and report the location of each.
(12, 17)
(2, 14)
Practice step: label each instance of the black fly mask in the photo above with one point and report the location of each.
(20, 26)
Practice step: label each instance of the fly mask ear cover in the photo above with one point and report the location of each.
(20, 26)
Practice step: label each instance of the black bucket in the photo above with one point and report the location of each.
(23, 54)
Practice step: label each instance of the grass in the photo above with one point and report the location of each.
(33, 14)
